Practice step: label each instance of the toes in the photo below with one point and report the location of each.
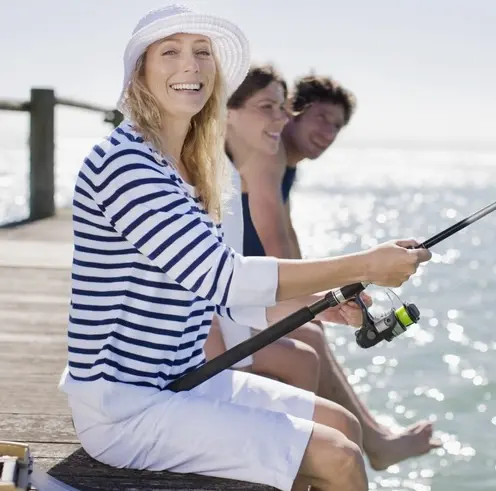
(435, 443)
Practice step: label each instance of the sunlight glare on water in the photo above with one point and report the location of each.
(443, 368)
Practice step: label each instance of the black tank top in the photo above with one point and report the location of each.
(252, 246)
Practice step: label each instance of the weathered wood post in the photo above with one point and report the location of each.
(42, 154)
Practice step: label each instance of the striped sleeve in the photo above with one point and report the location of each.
(147, 207)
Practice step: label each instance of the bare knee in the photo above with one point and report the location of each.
(308, 357)
(349, 425)
(305, 367)
(291, 361)
(332, 461)
(353, 428)
(311, 334)
(335, 416)
(348, 473)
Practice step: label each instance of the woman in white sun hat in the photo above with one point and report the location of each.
(150, 268)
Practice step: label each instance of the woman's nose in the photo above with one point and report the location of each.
(190, 63)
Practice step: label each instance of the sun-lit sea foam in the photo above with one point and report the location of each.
(442, 369)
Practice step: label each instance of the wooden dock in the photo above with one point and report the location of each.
(35, 261)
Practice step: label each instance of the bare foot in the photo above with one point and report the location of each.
(386, 448)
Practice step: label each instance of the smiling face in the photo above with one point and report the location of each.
(180, 72)
(258, 123)
(316, 128)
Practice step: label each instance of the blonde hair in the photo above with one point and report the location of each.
(203, 150)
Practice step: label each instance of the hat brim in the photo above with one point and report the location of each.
(230, 45)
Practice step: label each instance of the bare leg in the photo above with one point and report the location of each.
(214, 345)
(382, 447)
(338, 418)
(290, 361)
(287, 360)
(333, 459)
(337, 431)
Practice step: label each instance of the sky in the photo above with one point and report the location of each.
(423, 71)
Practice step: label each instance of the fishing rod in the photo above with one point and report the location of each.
(374, 329)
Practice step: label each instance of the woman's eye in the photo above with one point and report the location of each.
(169, 52)
(204, 53)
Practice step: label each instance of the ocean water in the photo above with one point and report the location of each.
(444, 368)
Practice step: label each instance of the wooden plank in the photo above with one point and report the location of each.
(56, 305)
(40, 301)
(37, 428)
(32, 281)
(37, 394)
(31, 345)
(28, 310)
(35, 254)
(31, 331)
(83, 472)
(21, 405)
(70, 464)
(11, 105)
(63, 101)
(41, 450)
(161, 481)
(54, 229)
(47, 371)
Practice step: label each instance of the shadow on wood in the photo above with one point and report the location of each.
(86, 474)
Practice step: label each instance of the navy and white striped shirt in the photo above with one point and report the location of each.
(149, 270)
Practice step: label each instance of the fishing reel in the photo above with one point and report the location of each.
(386, 327)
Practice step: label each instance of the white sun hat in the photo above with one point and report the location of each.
(228, 42)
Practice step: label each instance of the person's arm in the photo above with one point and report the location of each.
(262, 178)
(149, 210)
(293, 238)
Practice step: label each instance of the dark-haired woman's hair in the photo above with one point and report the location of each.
(258, 78)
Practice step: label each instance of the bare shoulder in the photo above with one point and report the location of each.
(265, 169)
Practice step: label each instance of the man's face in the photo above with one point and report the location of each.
(316, 128)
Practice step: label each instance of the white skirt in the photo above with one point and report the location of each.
(237, 425)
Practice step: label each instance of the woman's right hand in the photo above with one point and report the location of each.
(392, 263)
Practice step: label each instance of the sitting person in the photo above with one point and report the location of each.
(151, 267)
(288, 360)
(253, 136)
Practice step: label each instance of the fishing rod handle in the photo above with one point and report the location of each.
(265, 337)
(246, 348)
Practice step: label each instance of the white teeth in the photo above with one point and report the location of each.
(274, 135)
(186, 86)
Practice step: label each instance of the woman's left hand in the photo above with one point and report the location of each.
(348, 313)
